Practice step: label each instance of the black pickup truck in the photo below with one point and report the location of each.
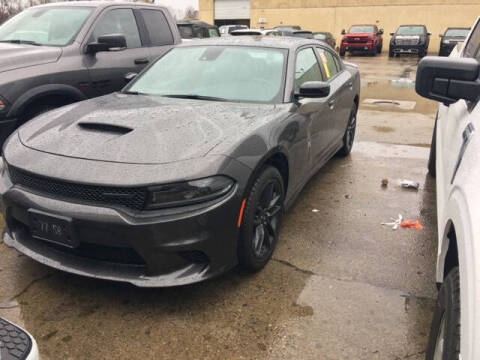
(56, 54)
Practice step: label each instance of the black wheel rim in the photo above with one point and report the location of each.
(267, 218)
(350, 133)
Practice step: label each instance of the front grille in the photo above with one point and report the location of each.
(132, 198)
(358, 40)
(406, 42)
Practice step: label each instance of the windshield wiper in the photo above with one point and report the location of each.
(196, 97)
(17, 41)
(133, 93)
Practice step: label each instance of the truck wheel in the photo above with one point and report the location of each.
(422, 53)
(35, 111)
(261, 220)
(432, 167)
(342, 52)
(444, 339)
(379, 48)
(391, 53)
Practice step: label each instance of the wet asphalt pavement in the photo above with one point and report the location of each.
(340, 285)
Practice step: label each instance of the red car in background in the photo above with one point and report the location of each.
(365, 38)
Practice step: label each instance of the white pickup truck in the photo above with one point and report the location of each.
(455, 161)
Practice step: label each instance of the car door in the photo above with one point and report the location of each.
(159, 36)
(455, 129)
(316, 111)
(107, 68)
(341, 95)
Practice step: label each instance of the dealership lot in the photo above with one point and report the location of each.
(340, 286)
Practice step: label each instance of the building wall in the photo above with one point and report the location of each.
(334, 15)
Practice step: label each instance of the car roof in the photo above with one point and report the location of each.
(99, 4)
(279, 42)
(412, 25)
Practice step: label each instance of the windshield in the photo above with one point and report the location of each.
(233, 73)
(320, 36)
(457, 32)
(303, 34)
(362, 29)
(45, 26)
(411, 30)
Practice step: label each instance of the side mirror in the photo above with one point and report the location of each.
(129, 77)
(429, 33)
(392, 34)
(343, 32)
(448, 79)
(107, 43)
(441, 35)
(313, 89)
(380, 32)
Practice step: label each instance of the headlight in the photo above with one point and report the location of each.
(2, 105)
(189, 192)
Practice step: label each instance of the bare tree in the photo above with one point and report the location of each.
(191, 13)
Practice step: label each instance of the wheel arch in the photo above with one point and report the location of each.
(276, 157)
(451, 255)
(63, 94)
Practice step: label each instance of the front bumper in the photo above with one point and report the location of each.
(154, 249)
(358, 47)
(407, 49)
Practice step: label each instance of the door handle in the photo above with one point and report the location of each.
(141, 61)
(331, 104)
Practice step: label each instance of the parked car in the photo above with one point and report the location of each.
(325, 36)
(296, 33)
(451, 38)
(226, 30)
(267, 32)
(56, 54)
(197, 30)
(455, 83)
(365, 38)
(186, 172)
(16, 343)
(409, 39)
(287, 27)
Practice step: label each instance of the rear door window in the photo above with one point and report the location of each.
(157, 27)
(328, 62)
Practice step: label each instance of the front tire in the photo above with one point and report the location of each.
(349, 135)
(391, 53)
(342, 53)
(379, 48)
(261, 220)
(444, 339)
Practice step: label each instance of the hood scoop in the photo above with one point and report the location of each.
(105, 128)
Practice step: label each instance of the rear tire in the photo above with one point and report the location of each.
(444, 339)
(261, 220)
(432, 167)
(349, 135)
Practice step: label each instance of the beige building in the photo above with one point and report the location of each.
(335, 15)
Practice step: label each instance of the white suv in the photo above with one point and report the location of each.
(455, 161)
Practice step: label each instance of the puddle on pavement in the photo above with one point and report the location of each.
(386, 96)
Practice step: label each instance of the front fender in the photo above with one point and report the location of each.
(462, 215)
(36, 93)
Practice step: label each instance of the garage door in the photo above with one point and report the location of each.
(232, 9)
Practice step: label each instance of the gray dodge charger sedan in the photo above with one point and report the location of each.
(186, 172)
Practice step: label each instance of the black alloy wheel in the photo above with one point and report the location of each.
(349, 135)
(262, 219)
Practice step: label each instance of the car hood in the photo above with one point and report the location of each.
(140, 129)
(359, 35)
(15, 56)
